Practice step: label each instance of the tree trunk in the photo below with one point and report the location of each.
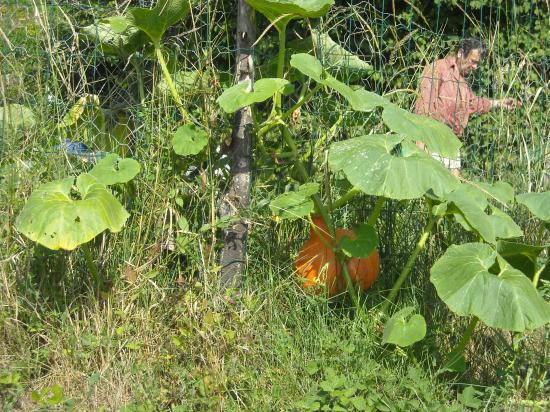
(236, 198)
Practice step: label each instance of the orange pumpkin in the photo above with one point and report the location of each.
(316, 262)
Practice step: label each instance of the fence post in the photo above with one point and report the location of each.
(236, 197)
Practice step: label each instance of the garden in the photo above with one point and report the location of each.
(221, 205)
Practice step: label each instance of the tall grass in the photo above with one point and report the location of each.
(162, 336)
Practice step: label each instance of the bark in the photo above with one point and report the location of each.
(236, 198)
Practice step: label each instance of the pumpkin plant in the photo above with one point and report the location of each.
(387, 166)
(67, 213)
(126, 35)
(385, 159)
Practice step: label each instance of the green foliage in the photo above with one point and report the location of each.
(469, 206)
(49, 397)
(438, 137)
(373, 165)
(155, 21)
(59, 215)
(115, 35)
(281, 12)
(467, 280)
(359, 99)
(404, 329)
(112, 170)
(373, 390)
(15, 117)
(366, 240)
(294, 205)
(537, 203)
(521, 256)
(244, 94)
(189, 140)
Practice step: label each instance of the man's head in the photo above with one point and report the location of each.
(469, 55)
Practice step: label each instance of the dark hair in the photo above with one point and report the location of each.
(469, 44)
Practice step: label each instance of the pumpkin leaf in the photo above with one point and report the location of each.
(187, 82)
(59, 215)
(281, 12)
(115, 35)
(14, 117)
(155, 21)
(189, 140)
(468, 398)
(537, 203)
(242, 94)
(359, 99)
(438, 136)
(87, 108)
(455, 362)
(335, 57)
(112, 170)
(507, 300)
(469, 206)
(372, 164)
(366, 240)
(404, 330)
(521, 256)
(500, 191)
(294, 205)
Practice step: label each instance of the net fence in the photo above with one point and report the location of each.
(52, 61)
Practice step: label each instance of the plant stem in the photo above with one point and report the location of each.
(300, 102)
(277, 99)
(345, 198)
(536, 276)
(341, 260)
(92, 267)
(170, 83)
(376, 212)
(410, 263)
(282, 51)
(467, 335)
(139, 74)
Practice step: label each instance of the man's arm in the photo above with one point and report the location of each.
(482, 105)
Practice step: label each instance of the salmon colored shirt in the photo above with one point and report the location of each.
(446, 96)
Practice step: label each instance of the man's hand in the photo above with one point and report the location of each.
(507, 103)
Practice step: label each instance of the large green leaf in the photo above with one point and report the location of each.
(507, 300)
(469, 205)
(438, 137)
(15, 117)
(372, 164)
(155, 21)
(293, 205)
(114, 35)
(359, 98)
(112, 170)
(366, 240)
(189, 140)
(402, 329)
(335, 57)
(59, 215)
(501, 192)
(243, 94)
(521, 256)
(537, 203)
(282, 11)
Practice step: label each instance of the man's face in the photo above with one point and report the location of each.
(467, 64)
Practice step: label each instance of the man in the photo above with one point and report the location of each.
(445, 94)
